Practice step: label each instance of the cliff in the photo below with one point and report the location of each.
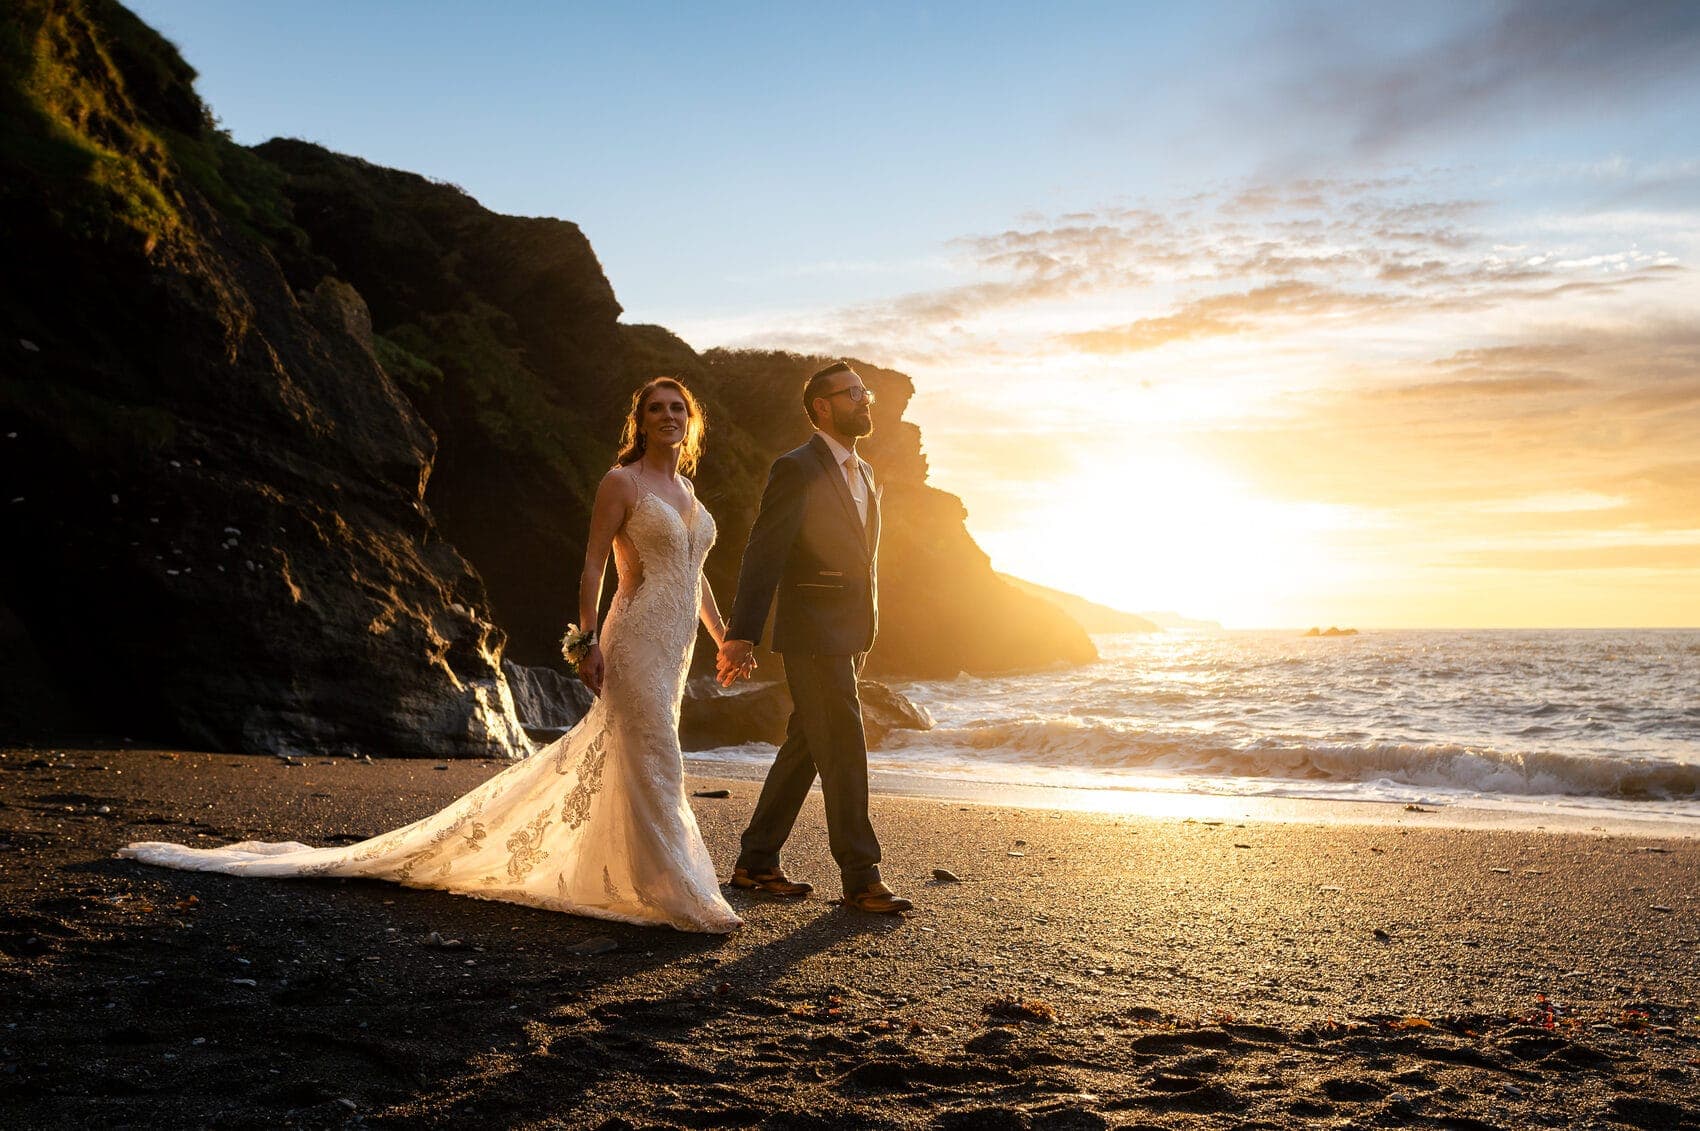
(301, 446)
(942, 607)
(1089, 615)
(503, 333)
(506, 332)
(215, 528)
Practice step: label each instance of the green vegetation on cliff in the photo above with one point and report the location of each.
(90, 91)
(294, 433)
(215, 531)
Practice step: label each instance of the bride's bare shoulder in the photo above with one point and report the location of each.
(618, 488)
(619, 478)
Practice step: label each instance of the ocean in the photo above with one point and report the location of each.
(1604, 721)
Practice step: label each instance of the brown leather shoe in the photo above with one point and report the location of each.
(770, 881)
(877, 899)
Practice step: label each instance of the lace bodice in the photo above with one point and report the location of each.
(653, 618)
(597, 822)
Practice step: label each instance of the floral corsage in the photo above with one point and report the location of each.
(576, 644)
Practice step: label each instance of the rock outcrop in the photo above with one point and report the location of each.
(713, 716)
(943, 609)
(293, 447)
(1089, 615)
(215, 527)
(504, 331)
(547, 702)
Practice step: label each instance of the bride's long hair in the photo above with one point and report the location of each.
(631, 436)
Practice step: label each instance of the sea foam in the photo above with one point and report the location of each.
(1596, 718)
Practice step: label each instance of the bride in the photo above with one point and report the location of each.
(596, 823)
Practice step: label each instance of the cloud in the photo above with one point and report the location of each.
(1283, 263)
(1661, 495)
(1532, 385)
(1518, 62)
(1348, 252)
(1267, 257)
(1462, 444)
(1223, 314)
(1588, 558)
(1292, 303)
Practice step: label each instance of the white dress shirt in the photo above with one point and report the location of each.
(852, 468)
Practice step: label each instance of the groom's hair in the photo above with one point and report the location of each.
(817, 382)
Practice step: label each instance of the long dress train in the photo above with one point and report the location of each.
(594, 824)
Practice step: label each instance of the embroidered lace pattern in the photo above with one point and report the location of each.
(594, 824)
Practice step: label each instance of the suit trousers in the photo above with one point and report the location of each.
(824, 735)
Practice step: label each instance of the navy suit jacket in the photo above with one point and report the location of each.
(809, 546)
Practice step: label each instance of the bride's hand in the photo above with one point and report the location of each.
(735, 661)
(590, 669)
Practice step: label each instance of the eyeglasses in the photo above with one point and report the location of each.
(860, 394)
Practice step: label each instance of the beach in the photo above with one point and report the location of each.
(1239, 968)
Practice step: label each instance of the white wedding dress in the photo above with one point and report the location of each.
(594, 824)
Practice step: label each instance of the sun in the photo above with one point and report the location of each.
(1154, 526)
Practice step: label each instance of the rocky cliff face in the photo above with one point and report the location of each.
(942, 608)
(519, 364)
(215, 527)
(288, 440)
(503, 332)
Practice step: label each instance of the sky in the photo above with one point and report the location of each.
(1366, 314)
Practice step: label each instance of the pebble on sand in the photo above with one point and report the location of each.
(1012, 1008)
(596, 944)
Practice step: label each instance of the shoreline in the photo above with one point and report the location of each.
(1183, 805)
(1085, 970)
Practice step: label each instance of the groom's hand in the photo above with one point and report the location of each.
(736, 659)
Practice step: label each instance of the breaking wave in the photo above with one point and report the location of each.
(1520, 718)
(1073, 744)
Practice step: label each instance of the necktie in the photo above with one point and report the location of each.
(858, 489)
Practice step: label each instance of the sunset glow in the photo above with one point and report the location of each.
(1347, 404)
(1277, 316)
(1165, 529)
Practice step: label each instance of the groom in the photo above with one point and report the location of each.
(816, 541)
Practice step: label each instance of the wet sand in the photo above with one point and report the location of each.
(1085, 970)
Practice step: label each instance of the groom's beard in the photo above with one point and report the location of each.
(857, 421)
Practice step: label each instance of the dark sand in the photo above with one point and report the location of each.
(1088, 971)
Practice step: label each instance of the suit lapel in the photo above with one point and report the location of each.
(841, 488)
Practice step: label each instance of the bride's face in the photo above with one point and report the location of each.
(666, 418)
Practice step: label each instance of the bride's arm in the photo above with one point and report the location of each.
(607, 515)
(709, 613)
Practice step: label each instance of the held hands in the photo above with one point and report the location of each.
(590, 669)
(735, 661)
